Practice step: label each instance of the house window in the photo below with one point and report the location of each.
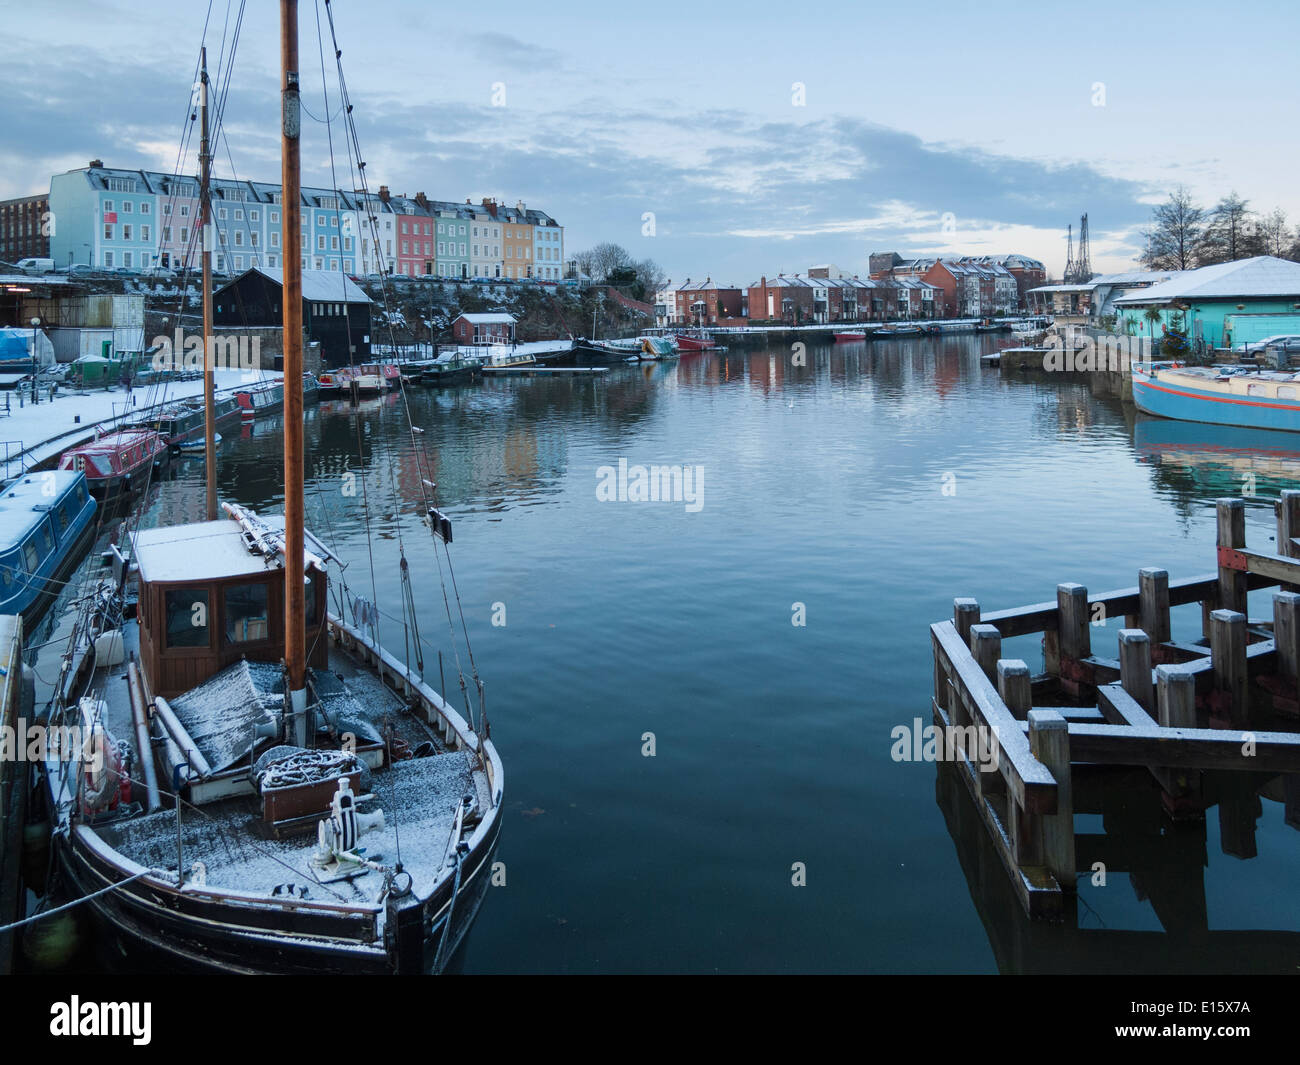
(320, 242)
(239, 215)
(127, 207)
(254, 216)
(221, 213)
(185, 235)
(270, 261)
(187, 611)
(144, 208)
(108, 258)
(144, 233)
(127, 259)
(126, 232)
(246, 612)
(275, 216)
(108, 206)
(275, 240)
(185, 210)
(167, 234)
(108, 230)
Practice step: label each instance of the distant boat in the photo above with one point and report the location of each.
(451, 372)
(695, 343)
(46, 520)
(1256, 399)
(181, 424)
(603, 352)
(657, 348)
(848, 338)
(389, 373)
(906, 330)
(198, 446)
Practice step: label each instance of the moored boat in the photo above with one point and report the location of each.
(452, 372)
(119, 462)
(1258, 399)
(700, 342)
(46, 521)
(849, 337)
(181, 424)
(259, 400)
(603, 352)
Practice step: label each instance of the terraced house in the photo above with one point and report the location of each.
(141, 220)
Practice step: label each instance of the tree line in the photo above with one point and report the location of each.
(612, 264)
(1184, 235)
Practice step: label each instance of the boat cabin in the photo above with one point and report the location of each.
(207, 599)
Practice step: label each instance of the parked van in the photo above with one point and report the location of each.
(36, 266)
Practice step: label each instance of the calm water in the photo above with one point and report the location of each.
(870, 486)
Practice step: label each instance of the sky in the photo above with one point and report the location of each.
(727, 140)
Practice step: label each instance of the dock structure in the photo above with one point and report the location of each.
(13, 783)
(1210, 719)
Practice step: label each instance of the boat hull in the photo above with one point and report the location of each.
(1184, 402)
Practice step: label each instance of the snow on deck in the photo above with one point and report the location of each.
(419, 799)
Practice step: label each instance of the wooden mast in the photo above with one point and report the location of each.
(205, 209)
(291, 206)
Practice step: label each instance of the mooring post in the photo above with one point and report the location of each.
(1231, 514)
(1175, 697)
(1153, 599)
(1228, 657)
(1287, 510)
(1135, 666)
(1049, 742)
(986, 648)
(1014, 686)
(1286, 639)
(965, 613)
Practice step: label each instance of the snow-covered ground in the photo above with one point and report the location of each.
(44, 429)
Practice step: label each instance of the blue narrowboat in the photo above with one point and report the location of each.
(1253, 399)
(46, 521)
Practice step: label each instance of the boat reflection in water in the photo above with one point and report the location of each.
(1203, 460)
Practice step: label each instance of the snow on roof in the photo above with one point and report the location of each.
(322, 286)
(487, 319)
(19, 502)
(1259, 277)
(204, 551)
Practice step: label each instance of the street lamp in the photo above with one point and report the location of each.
(35, 390)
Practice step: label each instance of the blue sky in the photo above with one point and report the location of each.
(1004, 120)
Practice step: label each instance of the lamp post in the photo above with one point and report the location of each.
(35, 390)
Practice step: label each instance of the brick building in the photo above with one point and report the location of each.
(24, 228)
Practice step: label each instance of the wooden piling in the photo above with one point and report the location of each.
(1014, 686)
(1286, 639)
(1072, 623)
(965, 613)
(1228, 654)
(986, 647)
(1231, 516)
(1287, 511)
(1135, 666)
(1153, 596)
(1049, 740)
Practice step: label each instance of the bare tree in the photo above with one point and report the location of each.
(1276, 234)
(1175, 236)
(650, 275)
(1232, 232)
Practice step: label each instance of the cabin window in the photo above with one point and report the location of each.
(65, 515)
(1286, 392)
(32, 558)
(187, 617)
(247, 619)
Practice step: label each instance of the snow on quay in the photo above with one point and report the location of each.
(38, 432)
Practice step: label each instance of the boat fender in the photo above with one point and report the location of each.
(109, 649)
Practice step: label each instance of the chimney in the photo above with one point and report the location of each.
(422, 200)
(96, 164)
(520, 207)
(383, 194)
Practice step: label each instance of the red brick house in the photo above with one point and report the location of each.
(782, 299)
(708, 303)
(484, 328)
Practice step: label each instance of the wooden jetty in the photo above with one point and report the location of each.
(1197, 715)
(13, 783)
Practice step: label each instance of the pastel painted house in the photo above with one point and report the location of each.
(1218, 304)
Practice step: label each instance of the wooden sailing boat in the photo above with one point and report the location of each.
(293, 799)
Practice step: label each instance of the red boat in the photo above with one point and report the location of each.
(118, 461)
(389, 372)
(700, 343)
(844, 338)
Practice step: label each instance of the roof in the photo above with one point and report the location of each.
(204, 551)
(322, 286)
(1256, 278)
(487, 319)
(24, 503)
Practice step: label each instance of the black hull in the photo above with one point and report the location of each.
(143, 928)
(587, 355)
(453, 377)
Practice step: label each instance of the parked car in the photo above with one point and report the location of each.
(1287, 342)
(80, 270)
(36, 266)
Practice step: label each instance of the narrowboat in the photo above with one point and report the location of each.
(46, 521)
(181, 424)
(260, 400)
(604, 352)
(906, 331)
(849, 337)
(336, 382)
(389, 373)
(452, 372)
(1220, 395)
(117, 463)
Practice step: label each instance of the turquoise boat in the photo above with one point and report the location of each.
(46, 521)
(1253, 399)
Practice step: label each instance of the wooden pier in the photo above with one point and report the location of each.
(1209, 719)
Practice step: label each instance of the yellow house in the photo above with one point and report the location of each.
(517, 242)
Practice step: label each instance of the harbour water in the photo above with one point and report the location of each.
(695, 702)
